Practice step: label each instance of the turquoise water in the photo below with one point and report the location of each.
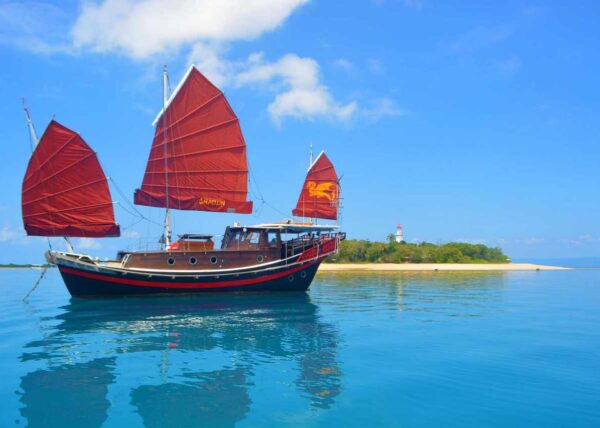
(430, 349)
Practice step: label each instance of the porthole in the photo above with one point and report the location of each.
(291, 278)
(193, 260)
(260, 258)
(171, 261)
(302, 274)
(213, 260)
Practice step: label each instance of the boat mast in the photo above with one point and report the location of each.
(310, 164)
(167, 232)
(32, 135)
(34, 142)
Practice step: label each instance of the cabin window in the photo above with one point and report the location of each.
(273, 238)
(243, 240)
(213, 260)
(260, 258)
(291, 278)
(193, 260)
(254, 237)
(250, 238)
(171, 261)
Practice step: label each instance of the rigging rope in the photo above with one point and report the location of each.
(136, 213)
(257, 194)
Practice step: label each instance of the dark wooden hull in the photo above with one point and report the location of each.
(83, 282)
(85, 277)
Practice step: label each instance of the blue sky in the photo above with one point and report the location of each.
(473, 121)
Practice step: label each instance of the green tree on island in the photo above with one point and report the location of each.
(362, 251)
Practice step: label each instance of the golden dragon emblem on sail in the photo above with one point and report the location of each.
(327, 190)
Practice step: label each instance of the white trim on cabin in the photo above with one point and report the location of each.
(298, 227)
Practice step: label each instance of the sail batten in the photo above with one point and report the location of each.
(197, 109)
(67, 210)
(199, 131)
(319, 197)
(198, 155)
(51, 195)
(62, 171)
(199, 152)
(205, 171)
(56, 152)
(209, 189)
(65, 191)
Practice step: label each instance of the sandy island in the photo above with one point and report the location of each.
(332, 267)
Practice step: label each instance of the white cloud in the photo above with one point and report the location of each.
(8, 234)
(582, 240)
(302, 93)
(380, 108)
(88, 244)
(209, 58)
(375, 66)
(130, 234)
(34, 26)
(344, 65)
(415, 4)
(480, 38)
(14, 235)
(141, 29)
(474, 241)
(145, 30)
(507, 67)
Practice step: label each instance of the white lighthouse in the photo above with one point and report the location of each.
(399, 235)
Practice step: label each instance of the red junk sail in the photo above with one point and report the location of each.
(198, 156)
(65, 192)
(320, 194)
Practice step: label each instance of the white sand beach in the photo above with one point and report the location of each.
(335, 267)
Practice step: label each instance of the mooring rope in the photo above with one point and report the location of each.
(36, 283)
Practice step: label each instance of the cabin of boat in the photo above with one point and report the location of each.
(242, 246)
(274, 257)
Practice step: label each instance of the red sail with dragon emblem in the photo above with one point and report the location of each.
(319, 197)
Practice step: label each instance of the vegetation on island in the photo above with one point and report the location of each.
(361, 251)
(22, 266)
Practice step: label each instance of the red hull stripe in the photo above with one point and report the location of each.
(217, 284)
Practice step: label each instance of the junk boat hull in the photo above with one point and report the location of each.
(85, 277)
(83, 282)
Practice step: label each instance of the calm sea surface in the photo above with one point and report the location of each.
(431, 349)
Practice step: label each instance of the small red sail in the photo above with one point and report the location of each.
(198, 156)
(319, 197)
(65, 192)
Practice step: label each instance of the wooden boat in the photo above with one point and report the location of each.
(197, 162)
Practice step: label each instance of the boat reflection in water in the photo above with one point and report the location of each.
(184, 361)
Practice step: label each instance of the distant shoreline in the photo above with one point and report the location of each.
(399, 267)
(25, 266)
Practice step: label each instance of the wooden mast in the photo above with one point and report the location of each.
(167, 232)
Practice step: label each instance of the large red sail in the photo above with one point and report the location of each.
(198, 156)
(319, 197)
(65, 192)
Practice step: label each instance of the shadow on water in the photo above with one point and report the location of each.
(89, 346)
